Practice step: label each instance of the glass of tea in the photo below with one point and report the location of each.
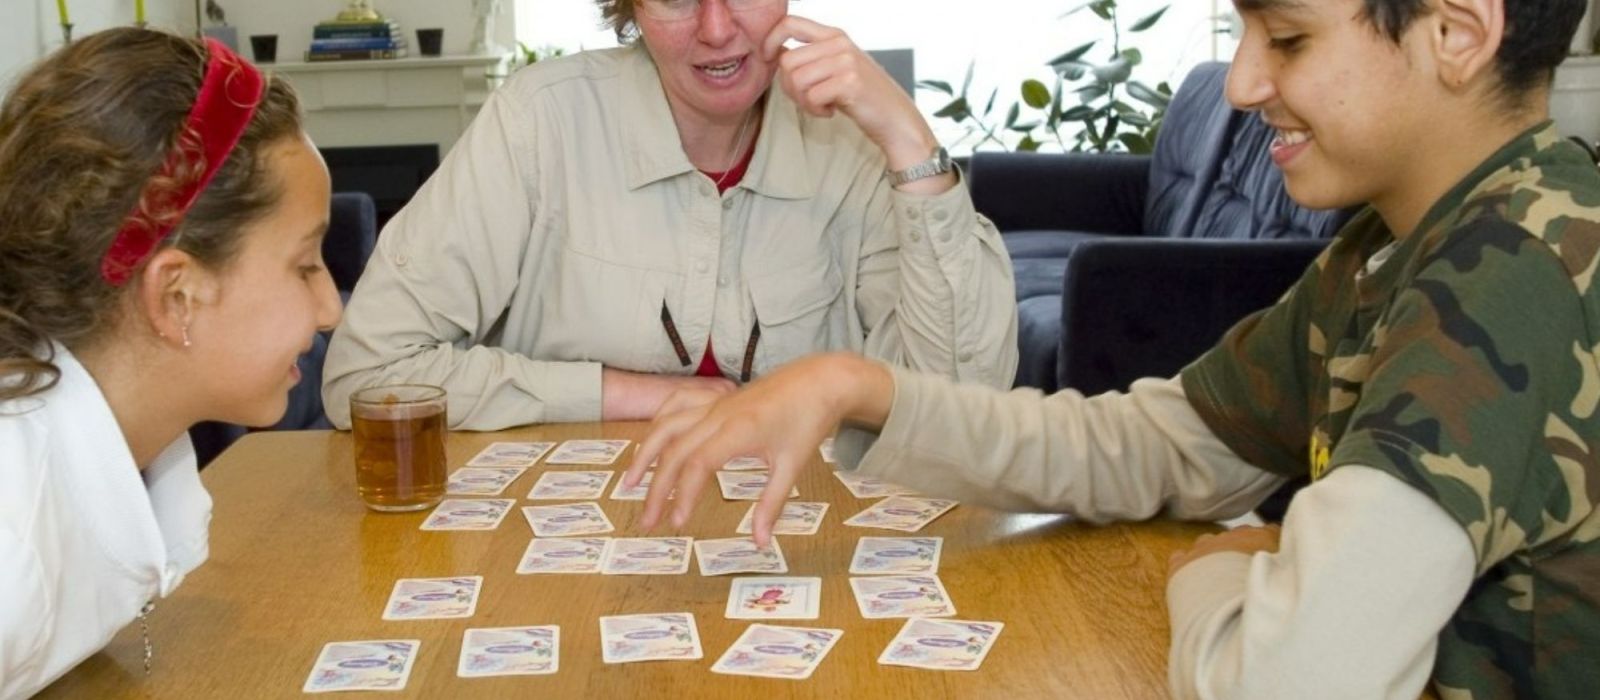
(399, 435)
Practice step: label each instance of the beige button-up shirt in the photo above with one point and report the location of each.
(565, 218)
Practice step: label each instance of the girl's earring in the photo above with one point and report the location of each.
(186, 342)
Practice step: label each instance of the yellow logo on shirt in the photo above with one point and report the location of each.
(1319, 458)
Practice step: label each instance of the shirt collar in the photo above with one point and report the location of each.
(1528, 144)
(654, 152)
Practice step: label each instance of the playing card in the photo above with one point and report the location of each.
(826, 448)
(433, 598)
(862, 486)
(746, 486)
(646, 555)
(668, 636)
(738, 555)
(510, 651)
(511, 454)
(777, 652)
(588, 452)
(947, 645)
(567, 519)
(797, 518)
(563, 555)
(774, 598)
(897, 555)
(904, 513)
(468, 514)
(369, 665)
(744, 464)
(570, 486)
(901, 596)
(482, 481)
(637, 493)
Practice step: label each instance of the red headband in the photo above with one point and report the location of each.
(228, 97)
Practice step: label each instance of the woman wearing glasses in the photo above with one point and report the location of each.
(695, 207)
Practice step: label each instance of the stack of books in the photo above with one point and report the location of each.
(346, 41)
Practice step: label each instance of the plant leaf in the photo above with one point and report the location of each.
(1117, 71)
(1149, 20)
(1133, 56)
(1103, 8)
(967, 82)
(1135, 143)
(1012, 114)
(1078, 113)
(937, 86)
(1071, 55)
(956, 110)
(1028, 145)
(990, 106)
(1143, 93)
(1035, 94)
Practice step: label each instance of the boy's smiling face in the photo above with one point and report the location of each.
(1355, 111)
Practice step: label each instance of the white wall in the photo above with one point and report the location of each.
(30, 28)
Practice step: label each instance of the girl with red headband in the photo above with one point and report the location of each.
(161, 220)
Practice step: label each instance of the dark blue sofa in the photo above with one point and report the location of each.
(1132, 266)
(352, 234)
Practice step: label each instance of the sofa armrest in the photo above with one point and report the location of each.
(1143, 307)
(1096, 193)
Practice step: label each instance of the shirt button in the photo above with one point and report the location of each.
(912, 213)
(916, 237)
(702, 266)
(401, 260)
(944, 236)
(965, 357)
(727, 204)
(724, 281)
(940, 215)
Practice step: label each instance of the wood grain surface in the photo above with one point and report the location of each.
(297, 561)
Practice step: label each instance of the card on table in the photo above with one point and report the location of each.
(588, 452)
(771, 651)
(904, 513)
(367, 665)
(433, 598)
(567, 519)
(746, 486)
(657, 637)
(637, 493)
(901, 596)
(797, 518)
(739, 555)
(739, 464)
(468, 514)
(570, 486)
(510, 651)
(946, 645)
(862, 486)
(826, 448)
(563, 555)
(897, 555)
(482, 481)
(646, 555)
(774, 598)
(511, 454)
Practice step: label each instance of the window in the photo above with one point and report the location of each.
(1007, 41)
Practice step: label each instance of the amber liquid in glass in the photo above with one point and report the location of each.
(400, 463)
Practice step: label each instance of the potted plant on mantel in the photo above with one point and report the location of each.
(1111, 111)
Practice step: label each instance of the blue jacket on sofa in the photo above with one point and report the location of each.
(1132, 266)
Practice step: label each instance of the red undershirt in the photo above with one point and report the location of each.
(725, 181)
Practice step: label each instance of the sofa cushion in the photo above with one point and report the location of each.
(1022, 245)
(1038, 337)
(1038, 276)
(1248, 199)
(1188, 152)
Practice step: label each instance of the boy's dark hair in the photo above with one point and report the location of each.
(1538, 33)
(82, 137)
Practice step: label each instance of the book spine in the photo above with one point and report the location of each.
(354, 55)
(355, 44)
(356, 34)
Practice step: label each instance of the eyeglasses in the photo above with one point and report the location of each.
(674, 10)
(683, 352)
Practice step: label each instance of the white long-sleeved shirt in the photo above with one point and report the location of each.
(1367, 572)
(86, 539)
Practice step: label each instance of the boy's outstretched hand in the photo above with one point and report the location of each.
(781, 417)
(1246, 539)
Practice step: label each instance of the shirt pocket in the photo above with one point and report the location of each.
(796, 309)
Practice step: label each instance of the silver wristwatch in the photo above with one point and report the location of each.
(939, 164)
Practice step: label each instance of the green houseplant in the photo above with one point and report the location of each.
(1109, 110)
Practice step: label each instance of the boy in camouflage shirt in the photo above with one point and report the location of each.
(1436, 373)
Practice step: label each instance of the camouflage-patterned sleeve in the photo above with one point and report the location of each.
(1250, 389)
(1477, 391)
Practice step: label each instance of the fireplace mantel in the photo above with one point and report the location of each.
(386, 102)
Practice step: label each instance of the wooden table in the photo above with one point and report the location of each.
(297, 561)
